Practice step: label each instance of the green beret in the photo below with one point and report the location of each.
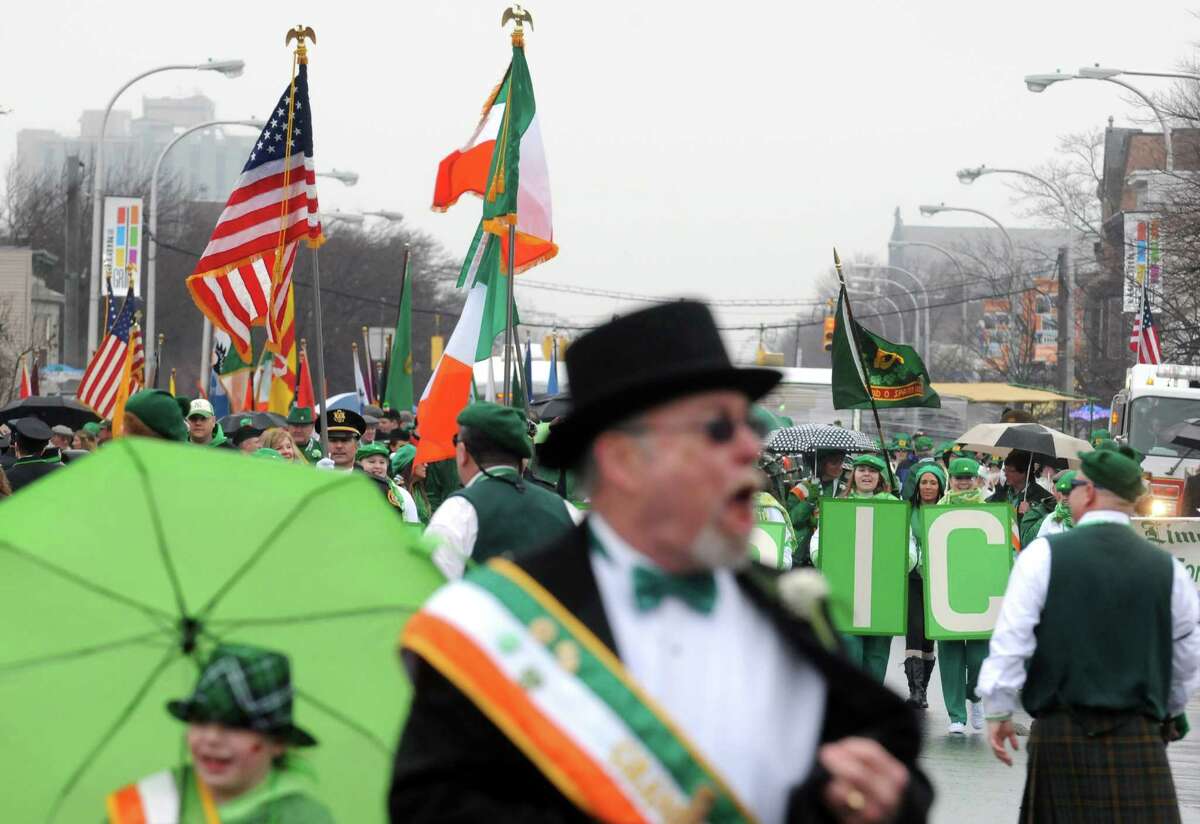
(402, 457)
(267, 452)
(923, 443)
(369, 449)
(1116, 470)
(92, 428)
(964, 468)
(931, 468)
(1063, 484)
(158, 410)
(300, 415)
(873, 461)
(503, 426)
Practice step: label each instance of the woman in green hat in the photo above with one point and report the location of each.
(1060, 519)
(867, 480)
(240, 739)
(373, 459)
(929, 484)
(961, 660)
(410, 474)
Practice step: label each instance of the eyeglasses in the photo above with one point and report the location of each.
(718, 430)
(1078, 482)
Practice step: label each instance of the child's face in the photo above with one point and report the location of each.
(230, 761)
(376, 465)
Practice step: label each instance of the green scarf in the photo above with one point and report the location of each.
(1062, 515)
(962, 497)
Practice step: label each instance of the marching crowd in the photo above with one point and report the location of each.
(605, 648)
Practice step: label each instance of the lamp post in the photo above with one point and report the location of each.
(929, 210)
(1066, 276)
(347, 178)
(896, 310)
(151, 293)
(920, 285)
(229, 68)
(1038, 83)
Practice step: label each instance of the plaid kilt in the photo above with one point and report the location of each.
(1098, 766)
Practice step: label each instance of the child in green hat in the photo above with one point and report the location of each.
(375, 460)
(240, 732)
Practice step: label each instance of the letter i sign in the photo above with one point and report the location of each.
(863, 554)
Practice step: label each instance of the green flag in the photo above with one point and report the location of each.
(398, 393)
(894, 372)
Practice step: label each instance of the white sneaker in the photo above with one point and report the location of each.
(975, 713)
(958, 728)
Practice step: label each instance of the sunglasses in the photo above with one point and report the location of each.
(718, 430)
(1078, 482)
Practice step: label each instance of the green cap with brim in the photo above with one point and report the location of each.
(964, 468)
(1063, 484)
(901, 443)
(402, 457)
(1116, 470)
(503, 425)
(300, 415)
(369, 449)
(873, 461)
(92, 428)
(160, 411)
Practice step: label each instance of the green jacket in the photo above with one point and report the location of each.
(803, 512)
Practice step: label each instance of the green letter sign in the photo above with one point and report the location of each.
(968, 556)
(863, 552)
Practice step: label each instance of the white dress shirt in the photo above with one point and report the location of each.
(728, 679)
(455, 527)
(1003, 673)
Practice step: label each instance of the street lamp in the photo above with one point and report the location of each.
(353, 218)
(348, 178)
(874, 295)
(970, 175)
(1040, 82)
(229, 68)
(929, 210)
(1098, 72)
(151, 293)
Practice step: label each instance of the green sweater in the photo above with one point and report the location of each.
(1104, 636)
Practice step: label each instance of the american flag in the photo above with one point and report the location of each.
(102, 378)
(137, 370)
(1144, 338)
(272, 207)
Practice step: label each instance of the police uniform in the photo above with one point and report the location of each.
(339, 422)
(27, 469)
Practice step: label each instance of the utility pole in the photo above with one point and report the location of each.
(71, 354)
(1066, 318)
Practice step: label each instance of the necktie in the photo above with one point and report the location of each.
(650, 586)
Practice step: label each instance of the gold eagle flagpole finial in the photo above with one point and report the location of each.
(520, 16)
(300, 34)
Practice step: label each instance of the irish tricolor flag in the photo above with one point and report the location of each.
(504, 163)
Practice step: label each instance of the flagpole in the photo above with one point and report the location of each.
(158, 357)
(206, 355)
(319, 392)
(845, 296)
(369, 374)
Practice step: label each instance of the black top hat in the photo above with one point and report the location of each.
(640, 361)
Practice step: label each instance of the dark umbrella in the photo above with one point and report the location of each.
(549, 407)
(51, 410)
(1002, 438)
(810, 437)
(258, 420)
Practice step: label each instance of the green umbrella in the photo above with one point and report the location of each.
(119, 575)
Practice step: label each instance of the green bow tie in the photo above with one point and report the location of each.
(698, 591)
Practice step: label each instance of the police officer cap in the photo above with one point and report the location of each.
(32, 428)
(964, 468)
(504, 426)
(345, 421)
(1116, 470)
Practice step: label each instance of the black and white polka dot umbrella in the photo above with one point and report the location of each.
(810, 437)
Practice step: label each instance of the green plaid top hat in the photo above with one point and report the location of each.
(247, 688)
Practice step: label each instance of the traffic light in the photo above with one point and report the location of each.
(827, 337)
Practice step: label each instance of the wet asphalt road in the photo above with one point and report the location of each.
(972, 786)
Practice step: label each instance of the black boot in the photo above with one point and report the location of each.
(928, 671)
(916, 690)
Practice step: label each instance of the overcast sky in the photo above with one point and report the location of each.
(709, 148)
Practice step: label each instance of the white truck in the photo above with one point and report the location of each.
(1156, 398)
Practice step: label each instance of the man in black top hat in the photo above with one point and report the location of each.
(654, 586)
(30, 437)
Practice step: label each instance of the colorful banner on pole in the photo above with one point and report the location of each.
(1143, 260)
(121, 247)
(968, 557)
(1178, 536)
(863, 553)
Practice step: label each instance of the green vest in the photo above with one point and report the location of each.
(1104, 637)
(512, 521)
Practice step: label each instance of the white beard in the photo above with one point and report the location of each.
(713, 550)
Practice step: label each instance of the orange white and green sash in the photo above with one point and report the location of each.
(155, 800)
(565, 700)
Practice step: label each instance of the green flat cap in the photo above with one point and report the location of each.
(300, 415)
(503, 425)
(267, 452)
(964, 468)
(923, 443)
(873, 461)
(1114, 469)
(369, 449)
(1063, 484)
(402, 457)
(160, 411)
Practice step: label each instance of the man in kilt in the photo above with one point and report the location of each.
(1098, 634)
